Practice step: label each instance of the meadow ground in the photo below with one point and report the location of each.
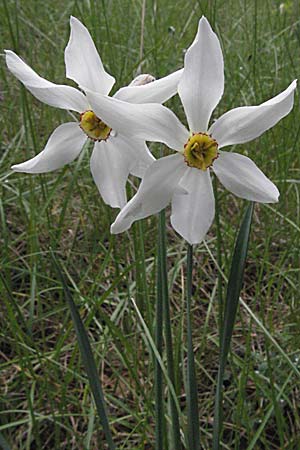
(45, 398)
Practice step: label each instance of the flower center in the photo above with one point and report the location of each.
(93, 127)
(200, 151)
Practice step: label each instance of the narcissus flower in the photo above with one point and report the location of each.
(114, 155)
(184, 178)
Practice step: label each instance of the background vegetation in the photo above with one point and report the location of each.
(45, 398)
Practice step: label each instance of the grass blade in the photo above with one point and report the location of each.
(232, 299)
(175, 430)
(261, 428)
(151, 342)
(87, 356)
(158, 382)
(192, 392)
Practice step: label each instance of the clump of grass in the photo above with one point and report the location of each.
(45, 398)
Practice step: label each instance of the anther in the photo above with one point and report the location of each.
(94, 127)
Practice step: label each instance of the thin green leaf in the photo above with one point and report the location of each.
(192, 392)
(271, 338)
(268, 414)
(231, 304)
(158, 381)
(157, 356)
(175, 426)
(87, 355)
(256, 319)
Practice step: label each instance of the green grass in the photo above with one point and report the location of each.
(45, 398)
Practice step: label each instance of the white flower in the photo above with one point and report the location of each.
(184, 178)
(115, 155)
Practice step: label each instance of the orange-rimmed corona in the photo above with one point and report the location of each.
(94, 127)
(200, 151)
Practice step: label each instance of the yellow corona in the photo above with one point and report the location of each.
(200, 151)
(93, 127)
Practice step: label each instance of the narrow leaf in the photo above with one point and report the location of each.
(175, 426)
(86, 355)
(231, 304)
(158, 381)
(192, 391)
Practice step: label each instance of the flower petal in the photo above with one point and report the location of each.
(241, 176)
(65, 97)
(193, 213)
(155, 192)
(149, 121)
(110, 166)
(63, 146)
(83, 63)
(248, 122)
(158, 91)
(140, 155)
(202, 83)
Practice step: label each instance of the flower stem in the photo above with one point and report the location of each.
(158, 384)
(175, 431)
(192, 394)
(219, 260)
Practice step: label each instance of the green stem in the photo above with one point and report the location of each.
(144, 271)
(192, 392)
(176, 444)
(159, 399)
(219, 259)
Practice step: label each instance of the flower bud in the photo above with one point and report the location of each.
(142, 79)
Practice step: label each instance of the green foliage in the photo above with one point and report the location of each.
(45, 398)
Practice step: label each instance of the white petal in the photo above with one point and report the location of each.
(110, 165)
(241, 176)
(158, 91)
(149, 121)
(140, 156)
(83, 63)
(202, 83)
(193, 213)
(65, 97)
(246, 123)
(63, 146)
(155, 192)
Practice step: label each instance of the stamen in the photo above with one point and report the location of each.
(94, 127)
(200, 151)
